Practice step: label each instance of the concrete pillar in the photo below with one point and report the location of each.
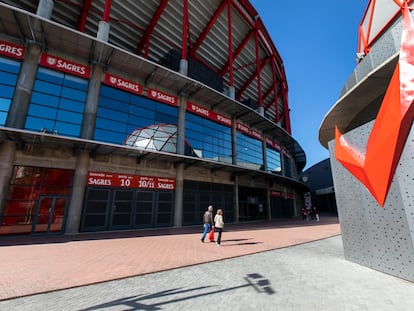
(45, 8)
(7, 154)
(183, 67)
(260, 110)
(232, 92)
(178, 199)
(264, 154)
(92, 100)
(24, 86)
(236, 198)
(103, 31)
(234, 142)
(78, 192)
(182, 103)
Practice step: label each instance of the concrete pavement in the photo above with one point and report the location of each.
(286, 265)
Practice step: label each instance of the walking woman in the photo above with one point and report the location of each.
(219, 225)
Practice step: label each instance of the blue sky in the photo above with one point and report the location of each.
(317, 41)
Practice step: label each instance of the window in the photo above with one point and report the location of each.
(249, 152)
(208, 139)
(28, 184)
(273, 161)
(57, 103)
(122, 116)
(9, 71)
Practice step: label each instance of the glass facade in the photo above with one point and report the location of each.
(37, 200)
(9, 71)
(273, 161)
(121, 113)
(249, 152)
(208, 139)
(57, 103)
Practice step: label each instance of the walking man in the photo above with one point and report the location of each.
(207, 222)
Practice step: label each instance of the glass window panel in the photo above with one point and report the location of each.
(7, 78)
(76, 83)
(3, 117)
(249, 152)
(67, 129)
(112, 114)
(42, 111)
(50, 76)
(69, 117)
(45, 99)
(71, 105)
(49, 91)
(110, 125)
(8, 65)
(73, 94)
(58, 177)
(119, 116)
(273, 160)
(109, 136)
(47, 87)
(37, 124)
(23, 193)
(208, 139)
(6, 91)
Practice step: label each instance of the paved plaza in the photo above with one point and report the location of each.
(284, 265)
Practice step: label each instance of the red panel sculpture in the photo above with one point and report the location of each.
(385, 144)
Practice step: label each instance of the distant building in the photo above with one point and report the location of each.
(319, 179)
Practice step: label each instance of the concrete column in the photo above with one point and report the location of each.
(232, 92)
(45, 8)
(183, 67)
(178, 199)
(78, 192)
(264, 154)
(236, 198)
(182, 103)
(234, 142)
(24, 86)
(92, 100)
(7, 154)
(103, 31)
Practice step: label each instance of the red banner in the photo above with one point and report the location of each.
(123, 84)
(162, 97)
(207, 113)
(65, 65)
(103, 179)
(248, 131)
(11, 50)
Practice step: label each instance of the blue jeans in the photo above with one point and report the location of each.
(207, 228)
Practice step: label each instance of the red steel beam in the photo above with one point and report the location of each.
(185, 30)
(230, 38)
(252, 77)
(148, 31)
(208, 28)
(85, 11)
(107, 11)
(258, 68)
(237, 51)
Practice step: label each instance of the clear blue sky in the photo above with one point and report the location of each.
(317, 41)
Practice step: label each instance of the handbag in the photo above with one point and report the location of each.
(211, 235)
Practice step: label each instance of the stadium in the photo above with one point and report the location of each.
(120, 115)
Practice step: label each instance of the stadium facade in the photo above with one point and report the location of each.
(129, 114)
(370, 138)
